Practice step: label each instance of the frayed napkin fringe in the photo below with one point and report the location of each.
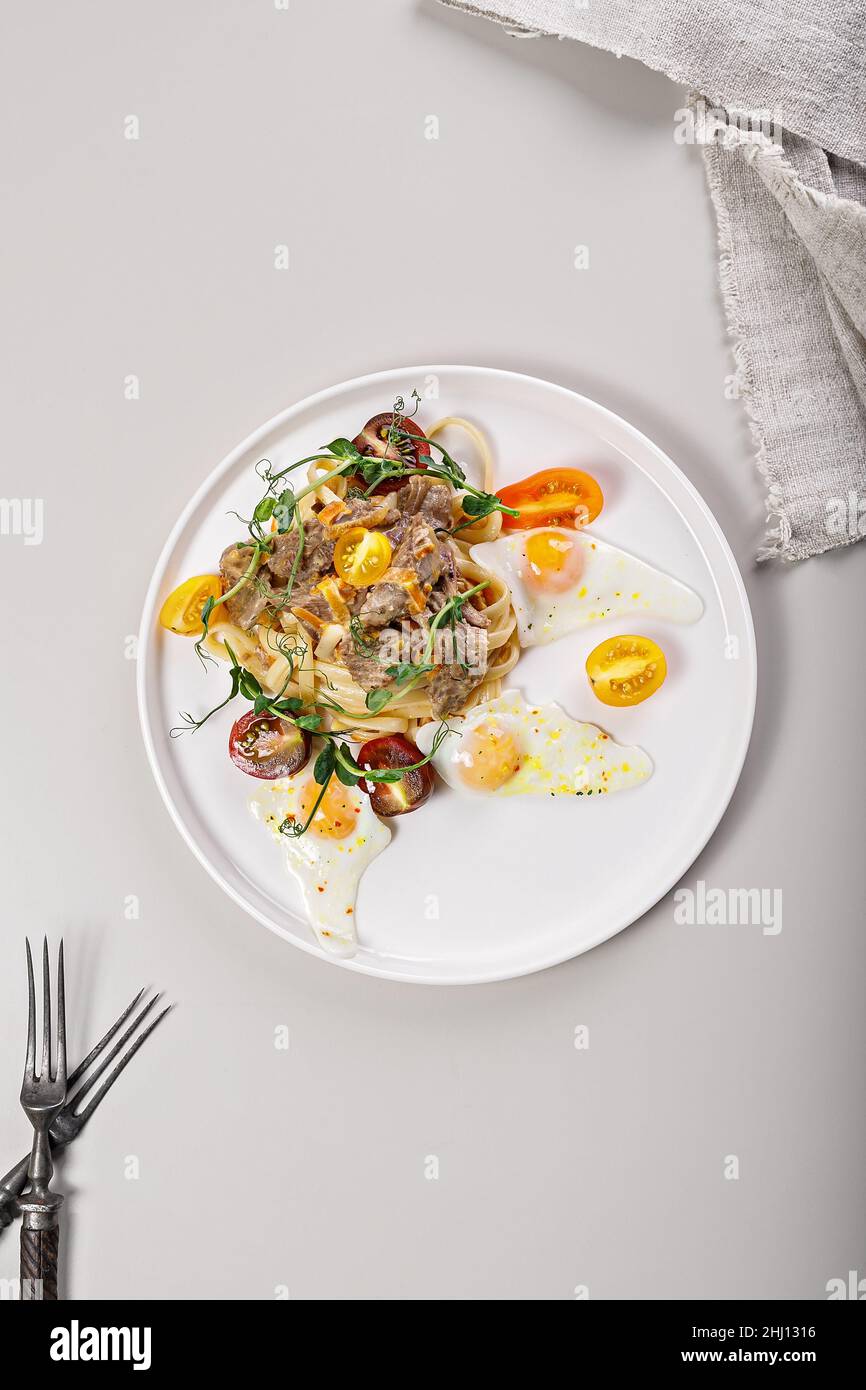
(777, 541)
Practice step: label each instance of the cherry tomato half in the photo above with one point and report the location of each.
(626, 670)
(263, 745)
(361, 556)
(554, 497)
(373, 439)
(395, 798)
(182, 610)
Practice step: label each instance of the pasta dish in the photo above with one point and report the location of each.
(370, 616)
(312, 629)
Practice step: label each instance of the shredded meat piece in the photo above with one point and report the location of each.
(410, 496)
(316, 560)
(312, 610)
(368, 671)
(474, 616)
(419, 550)
(471, 615)
(426, 498)
(384, 602)
(449, 568)
(451, 683)
(396, 532)
(248, 603)
(450, 687)
(448, 587)
(282, 556)
(363, 511)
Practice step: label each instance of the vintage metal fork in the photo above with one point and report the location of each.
(72, 1119)
(42, 1098)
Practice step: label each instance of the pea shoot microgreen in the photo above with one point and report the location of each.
(364, 644)
(243, 682)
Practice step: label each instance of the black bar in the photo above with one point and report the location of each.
(651, 1336)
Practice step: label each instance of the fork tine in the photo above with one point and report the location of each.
(61, 1019)
(118, 1046)
(30, 1064)
(45, 1070)
(112, 1077)
(103, 1042)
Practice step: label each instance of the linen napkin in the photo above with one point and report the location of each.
(777, 102)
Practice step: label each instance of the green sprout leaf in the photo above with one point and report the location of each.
(364, 644)
(407, 671)
(290, 706)
(312, 722)
(377, 699)
(482, 505)
(324, 764)
(284, 510)
(343, 449)
(346, 766)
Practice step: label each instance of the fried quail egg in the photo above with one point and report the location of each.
(507, 747)
(562, 580)
(345, 835)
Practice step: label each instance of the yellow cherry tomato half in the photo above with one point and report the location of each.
(361, 556)
(626, 670)
(182, 610)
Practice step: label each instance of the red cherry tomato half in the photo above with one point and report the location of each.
(554, 497)
(393, 751)
(373, 440)
(264, 746)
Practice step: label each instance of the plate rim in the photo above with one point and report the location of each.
(146, 637)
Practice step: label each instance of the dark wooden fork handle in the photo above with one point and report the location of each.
(39, 1250)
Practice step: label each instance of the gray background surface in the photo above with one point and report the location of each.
(558, 1167)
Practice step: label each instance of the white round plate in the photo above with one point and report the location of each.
(473, 890)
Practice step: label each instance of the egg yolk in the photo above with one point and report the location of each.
(555, 561)
(336, 816)
(489, 757)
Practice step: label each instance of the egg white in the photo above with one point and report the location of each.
(611, 584)
(328, 871)
(559, 756)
